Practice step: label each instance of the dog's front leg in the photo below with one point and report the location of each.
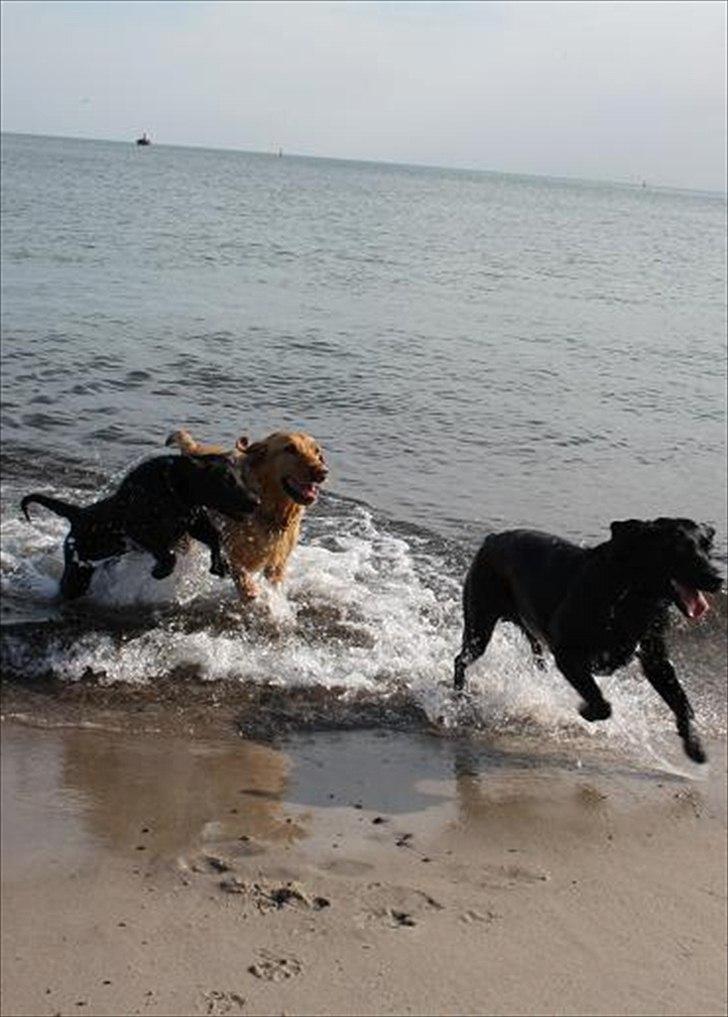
(275, 573)
(159, 545)
(277, 564)
(578, 674)
(202, 529)
(246, 586)
(660, 673)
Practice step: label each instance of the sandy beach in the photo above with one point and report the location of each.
(365, 872)
(397, 705)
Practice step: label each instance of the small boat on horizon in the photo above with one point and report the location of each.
(144, 139)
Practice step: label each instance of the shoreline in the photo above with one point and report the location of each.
(353, 872)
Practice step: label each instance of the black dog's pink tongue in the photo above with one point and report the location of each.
(693, 601)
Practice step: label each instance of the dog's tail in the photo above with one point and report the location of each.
(61, 508)
(189, 446)
(183, 440)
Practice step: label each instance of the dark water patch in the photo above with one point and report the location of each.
(46, 421)
(41, 400)
(87, 388)
(259, 712)
(38, 465)
(272, 713)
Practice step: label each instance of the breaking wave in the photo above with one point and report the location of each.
(364, 632)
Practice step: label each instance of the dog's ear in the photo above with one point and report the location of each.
(256, 452)
(702, 531)
(627, 528)
(242, 444)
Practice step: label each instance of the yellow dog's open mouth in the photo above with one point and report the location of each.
(300, 492)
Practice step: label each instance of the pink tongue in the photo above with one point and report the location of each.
(695, 603)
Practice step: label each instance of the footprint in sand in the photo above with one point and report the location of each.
(269, 897)
(512, 874)
(471, 915)
(347, 867)
(398, 906)
(272, 968)
(218, 1003)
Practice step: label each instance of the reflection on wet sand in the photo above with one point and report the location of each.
(69, 792)
(161, 795)
(509, 799)
(181, 792)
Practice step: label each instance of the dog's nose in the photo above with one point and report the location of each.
(319, 474)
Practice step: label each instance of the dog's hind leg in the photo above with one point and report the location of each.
(579, 676)
(481, 611)
(164, 564)
(474, 646)
(537, 650)
(660, 673)
(76, 577)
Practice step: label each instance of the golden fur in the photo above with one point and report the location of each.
(285, 470)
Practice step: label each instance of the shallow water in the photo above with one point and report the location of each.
(70, 795)
(473, 351)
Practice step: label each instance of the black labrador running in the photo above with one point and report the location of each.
(156, 504)
(594, 607)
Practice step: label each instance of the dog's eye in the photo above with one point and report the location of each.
(290, 447)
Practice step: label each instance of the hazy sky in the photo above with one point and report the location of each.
(621, 91)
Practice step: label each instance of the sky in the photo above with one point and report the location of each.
(611, 91)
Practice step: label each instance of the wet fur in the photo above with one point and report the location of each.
(154, 507)
(594, 608)
(264, 541)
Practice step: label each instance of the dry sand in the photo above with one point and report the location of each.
(354, 873)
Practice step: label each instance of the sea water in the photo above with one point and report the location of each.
(474, 351)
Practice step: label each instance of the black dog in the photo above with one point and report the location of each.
(594, 607)
(156, 504)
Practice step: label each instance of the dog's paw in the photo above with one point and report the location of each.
(596, 710)
(460, 693)
(247, 588)
(458, 682)
(163, 569)
(694, 749)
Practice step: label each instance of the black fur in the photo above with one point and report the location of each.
(155, 505)
(593, 607)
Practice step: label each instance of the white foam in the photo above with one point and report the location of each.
(358, 610)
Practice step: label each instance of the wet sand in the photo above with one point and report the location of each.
(360, 872)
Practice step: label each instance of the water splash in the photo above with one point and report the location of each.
(369, 609)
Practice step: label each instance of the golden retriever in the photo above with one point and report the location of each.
(285, 471)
